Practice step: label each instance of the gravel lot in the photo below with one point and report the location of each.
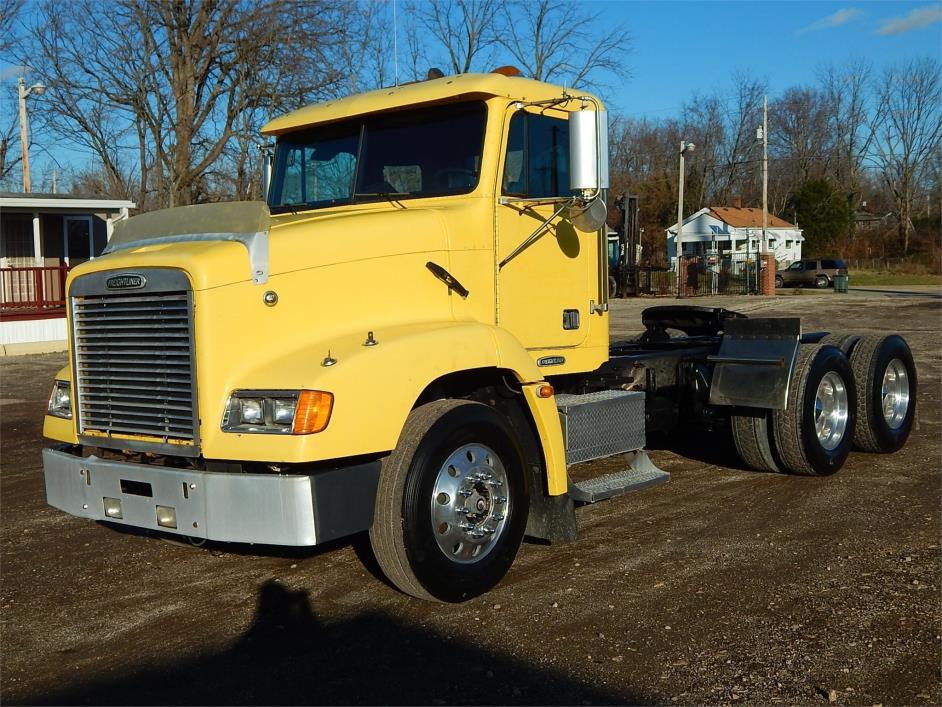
(722, 586)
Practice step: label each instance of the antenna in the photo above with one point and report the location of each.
(395, 42)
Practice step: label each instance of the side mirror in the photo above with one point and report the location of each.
(266, 171)
(588, 151)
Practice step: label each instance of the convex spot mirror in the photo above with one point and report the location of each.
(589, 216)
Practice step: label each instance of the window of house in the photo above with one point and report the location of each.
(16, 236)
(537, 162)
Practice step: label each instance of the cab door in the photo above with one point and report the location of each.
(544, 290)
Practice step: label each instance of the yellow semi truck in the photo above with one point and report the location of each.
(411, 338)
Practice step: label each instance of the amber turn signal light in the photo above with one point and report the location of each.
(313, 412)
(544, 391)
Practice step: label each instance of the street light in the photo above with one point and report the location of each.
(37, 89)
(685, 147)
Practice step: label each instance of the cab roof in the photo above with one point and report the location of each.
(432, 91)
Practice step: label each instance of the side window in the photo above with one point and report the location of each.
(537, 163)
(828, 265)
(811, 265)
(797, 265)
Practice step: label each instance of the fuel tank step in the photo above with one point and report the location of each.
(641, 473)
(601, 424)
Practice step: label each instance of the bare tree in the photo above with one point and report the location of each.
(798, 134)
(465, 30)
(9, 157)
(164, 89)
(365, 49)
(845, 92)
(9, 13)
(907, 129)
(563, 41)
(736, 169)
(704, 124)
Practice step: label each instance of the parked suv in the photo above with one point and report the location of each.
(819, 273)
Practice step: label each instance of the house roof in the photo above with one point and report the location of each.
(747, 218)
(44, 202)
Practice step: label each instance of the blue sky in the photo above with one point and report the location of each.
(681, 48)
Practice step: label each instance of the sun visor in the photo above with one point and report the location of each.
(245, 222)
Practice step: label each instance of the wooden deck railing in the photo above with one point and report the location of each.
(32, 292)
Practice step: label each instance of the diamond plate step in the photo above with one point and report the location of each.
(601, 424)
(640, 474)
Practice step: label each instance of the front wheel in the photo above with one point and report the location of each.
(452, 502)
(779, 281)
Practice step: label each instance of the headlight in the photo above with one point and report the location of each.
(60, 400)
(298, 412)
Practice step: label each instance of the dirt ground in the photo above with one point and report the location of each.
(721, 586)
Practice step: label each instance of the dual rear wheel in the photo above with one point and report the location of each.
(848, 390)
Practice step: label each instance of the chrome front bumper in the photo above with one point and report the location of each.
(271, 509)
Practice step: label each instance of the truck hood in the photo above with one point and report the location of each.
(226, 243)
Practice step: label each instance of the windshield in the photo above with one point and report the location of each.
(407, 154)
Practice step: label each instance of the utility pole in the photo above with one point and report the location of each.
(765, 172)
(23, 92)
(685, 147)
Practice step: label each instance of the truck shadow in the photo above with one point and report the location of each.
(288, 656)
(714, 447)
(360, 543)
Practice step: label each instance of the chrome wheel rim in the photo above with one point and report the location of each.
(895, 394)
(470, 503)
(830, 410)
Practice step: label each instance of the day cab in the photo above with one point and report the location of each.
(243, 371)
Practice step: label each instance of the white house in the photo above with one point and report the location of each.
(43, 236)
(732, 229)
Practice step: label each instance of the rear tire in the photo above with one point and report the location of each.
(754, 442)
(886, 380)
(822, 282)
(844, 341)
(815, 432)
(424, 532)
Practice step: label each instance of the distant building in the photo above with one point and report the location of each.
(42, 236)
(866, 221)
(732, 229)
(55, 229)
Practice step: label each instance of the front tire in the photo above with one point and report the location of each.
(779, 282)
(452, 502)
(815, 432)
(886, 378)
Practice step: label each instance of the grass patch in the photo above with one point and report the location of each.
(873, 277)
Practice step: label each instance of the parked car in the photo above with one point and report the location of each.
(819, 273)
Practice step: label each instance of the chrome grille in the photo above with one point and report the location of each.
(134, 364)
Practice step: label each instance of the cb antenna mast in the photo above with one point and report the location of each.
(395, 42)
